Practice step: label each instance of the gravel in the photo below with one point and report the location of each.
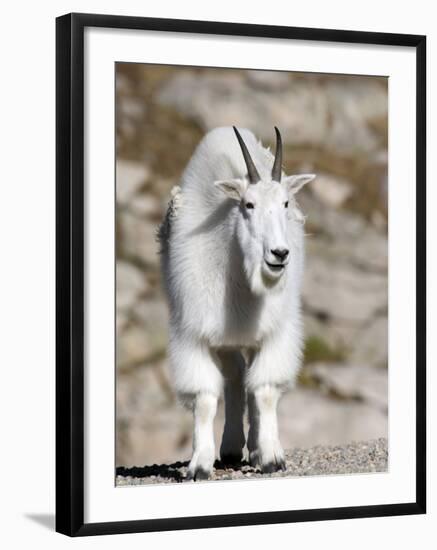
(362, 457)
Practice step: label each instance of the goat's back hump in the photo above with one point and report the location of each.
(218, 156)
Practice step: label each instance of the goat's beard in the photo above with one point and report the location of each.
(260, 281)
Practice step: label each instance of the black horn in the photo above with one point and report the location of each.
(277, 165)
(251, 169)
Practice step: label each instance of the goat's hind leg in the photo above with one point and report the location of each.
(233, 441)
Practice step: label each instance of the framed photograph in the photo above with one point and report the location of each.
(240, 274)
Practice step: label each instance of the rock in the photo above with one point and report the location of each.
(131, 107)
(338, 334)
(133, 348)
(339, 234)
(332, 114)
(152, 314)
(269, 80)
(345, 284)
(122, 84)
(371, 251)
(379, 221)
(131, 283)
(121, 321)
(138, 239)
(147, 206)
(130, 177)
(350, 381)
(307, 417)
(331, 191)
(146, 339)
(364, 343)
(337, 290)
(236, 99)
(371, 344)
(151, 426)
(353, 105)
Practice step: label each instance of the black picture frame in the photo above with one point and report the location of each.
(70, 273)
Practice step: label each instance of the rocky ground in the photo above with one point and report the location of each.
(364, 457)
(334, 126)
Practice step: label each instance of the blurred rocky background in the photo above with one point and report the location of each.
(332, 125)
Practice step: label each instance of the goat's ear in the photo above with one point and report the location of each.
(234, 189)
(295, 183)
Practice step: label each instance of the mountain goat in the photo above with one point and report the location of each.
(232, 260)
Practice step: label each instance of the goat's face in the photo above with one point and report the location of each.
(263, 228)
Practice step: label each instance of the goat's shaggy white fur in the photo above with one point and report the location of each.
(234, 321)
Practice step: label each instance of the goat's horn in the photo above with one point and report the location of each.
(277, 165)
(251, 169)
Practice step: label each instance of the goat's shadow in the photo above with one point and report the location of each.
(171, 471)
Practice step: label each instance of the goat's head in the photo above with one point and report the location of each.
(266, 209)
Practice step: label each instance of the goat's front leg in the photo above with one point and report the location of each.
(263, 443)
(202, 461)
(198, 381)
(272, 371)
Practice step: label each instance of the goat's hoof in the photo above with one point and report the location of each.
(274, 466)
(254, 459)
(199, 474)
(230, 459)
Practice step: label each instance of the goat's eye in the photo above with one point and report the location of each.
(286, 204)
(250, 205)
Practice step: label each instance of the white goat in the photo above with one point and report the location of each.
(232, 260)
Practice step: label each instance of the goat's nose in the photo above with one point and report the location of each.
(280, 253)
